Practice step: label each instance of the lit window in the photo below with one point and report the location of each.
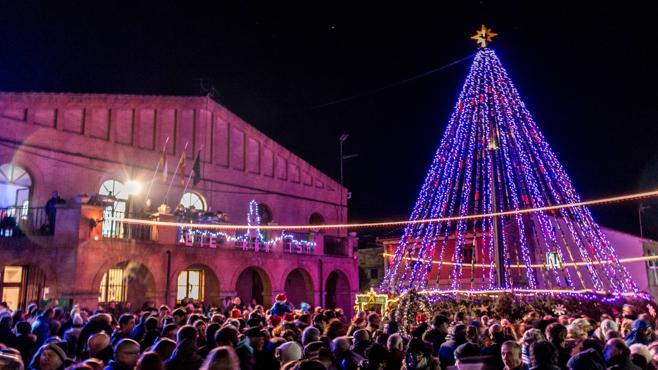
(15, 184)
(114, 188)
(193, 200)
(113, 286)
(190, 285)
(12, 279)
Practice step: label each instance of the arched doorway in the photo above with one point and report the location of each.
(299, 287)
(198, 282)
(254, 283)
(337, 291)
(127, 282)
(316, 219)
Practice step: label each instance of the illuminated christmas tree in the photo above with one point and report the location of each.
(493, 158)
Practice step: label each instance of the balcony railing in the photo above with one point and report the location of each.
(120, 230)
(20, 221)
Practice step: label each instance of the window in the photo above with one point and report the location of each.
(113, 286)
(116, 189)
(190, 285)
(193, 200)
(12, 280)
(15, 184)
(652, 268)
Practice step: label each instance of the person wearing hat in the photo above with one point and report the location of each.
(281, 306)
(50, 357)
(253, 339)
(126, 354)
(289, 351)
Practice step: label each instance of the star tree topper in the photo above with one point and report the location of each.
(483, 36)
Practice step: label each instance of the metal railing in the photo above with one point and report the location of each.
(119, 230)
(20, 221)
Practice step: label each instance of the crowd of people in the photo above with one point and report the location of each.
(238, 337)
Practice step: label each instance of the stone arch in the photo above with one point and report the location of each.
(211, 283)
(137, 280)
(254, 283)
(299, 287)
(338, 290)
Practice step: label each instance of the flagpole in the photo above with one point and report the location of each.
(157, 167)
(187, 183)
(164, 200)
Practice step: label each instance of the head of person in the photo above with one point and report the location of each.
(510, 352)
(169, 331)
(180, 316)
(374, 320)
(256, 338)
(312, 350)
(221, 358)
(150, 361)
(310, 334)
(615, 351)
(288, 351)
(320, 321)
(186, 333)
(360, 336)
(543, 353)
(51, 357)
(340, 345)
(97, 343)
(164, 347)
(459, 333)
(556, 333)
(377, 356)
(126, 352)
(441, 323)
(126, 323)
(227, 336)
(395, 342)
(465, 351)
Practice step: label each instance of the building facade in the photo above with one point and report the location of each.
(91, 147)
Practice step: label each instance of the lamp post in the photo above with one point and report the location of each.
(639, 215)
(343, 157)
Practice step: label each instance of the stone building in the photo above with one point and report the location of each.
(83, 145)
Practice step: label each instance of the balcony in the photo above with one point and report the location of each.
(79, 223)
(20, 221)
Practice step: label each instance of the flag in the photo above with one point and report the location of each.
(197, 169)
(181, 165)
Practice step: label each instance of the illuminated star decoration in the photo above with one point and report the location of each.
(560, 310)
(483, 36)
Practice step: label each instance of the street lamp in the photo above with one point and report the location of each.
(341, 140)
(639, 214)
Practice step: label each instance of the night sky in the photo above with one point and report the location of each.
(587, 74)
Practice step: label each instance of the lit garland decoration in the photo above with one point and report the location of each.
(493, 161)
(253, 239)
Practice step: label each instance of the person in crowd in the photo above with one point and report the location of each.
(641, 332)
(150, 361)
(126, 354)
(438, 333)
(49, 357)
(496, 338)
(281, 305)
(418, 356)
(510, 353)
(151, 333)
(344, 357)
(72, 333)
(544, 355)
(288, 352)
(374, 320)
(447, 349)
(7, 336)
(165, 348)
(530, 337)
(617, 355)
(395, 347)
(221, 358)
(361, 342)
(602, 330)
(377, 358)
(126, 326)
(185, 356)
(42, 326)
(640, 355)
(99, 346)
(25, 342)
(97, 323)
(557, 334)
(211, 330)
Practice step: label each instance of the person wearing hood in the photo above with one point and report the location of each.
(185, 356)
(617, 355)
(588, 359)
(49, 357)
(126, 354)
(605, 326)
(71, 334)
(42, 325)
(640, 333)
